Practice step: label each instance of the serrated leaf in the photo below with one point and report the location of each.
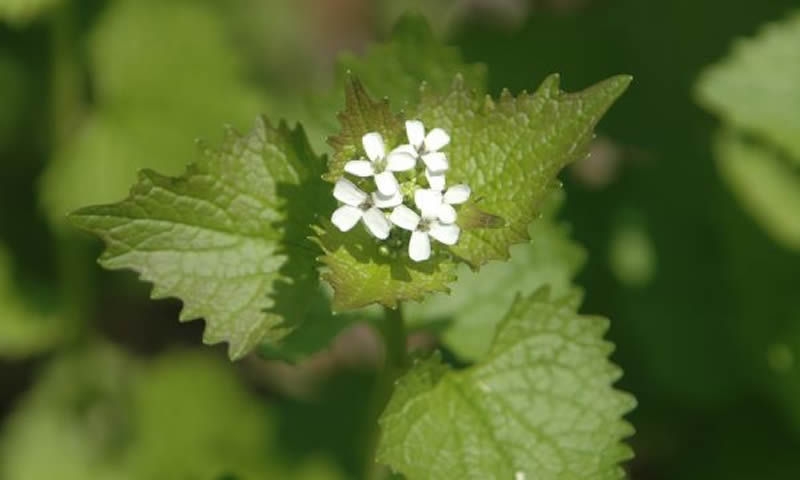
(755, 88)
(469, 311)
(146, 61)
(360, 269)
(361, 115)
(766, 185)
(228, 237)
(509, 151)
(540, 405)
(413, 55)
(395, 69)
(20, 12)
(361, 273)
(24, 329)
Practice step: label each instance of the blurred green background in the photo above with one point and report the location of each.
(689, 210)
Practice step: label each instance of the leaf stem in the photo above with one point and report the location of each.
(395, 360)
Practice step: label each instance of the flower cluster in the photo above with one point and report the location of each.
(385, 208)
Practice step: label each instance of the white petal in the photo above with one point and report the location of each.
(447, 234)
(428, 202)
(377, 223)
(406, 148)
(373, 146)
(345, 217)
(419, 247)
(359, 168)
(447, 214)
(416, 132)
(400, 161)
(382, 201)
(457, 194)
(346, 192)
(435, 180)
(387, 184)
(436, 162)
(436, 140)
(405, 218)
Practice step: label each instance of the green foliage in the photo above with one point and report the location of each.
(21, 12)
(754, 91)
(13, 84)
(26, 327)
(74, 418)
(171, 434)
(632, 257)
(101, 415)
(227, 236)
(158, 70)
(394, 70)
(540, 405)
(509, 151)
(551, 258)
(192, 419)
(755, 88)
(358, 271)
(766, 185)
(412, 56)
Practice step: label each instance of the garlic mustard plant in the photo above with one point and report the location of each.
(443, 177)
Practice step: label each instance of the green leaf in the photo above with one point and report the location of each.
(360, 269)
(755, 89)
(509, 151)
(25, 329)
(470, 310)
(21, 12)
(395, 70)
(540, 405)
(766, 185)
(361, 272)
(163, 73)
(228, 237)
(361, 115)
(414, 55)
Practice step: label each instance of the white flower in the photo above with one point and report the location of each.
(358, 205)
(454, 195)
(380, 166)
(427, 148)
(429, 222)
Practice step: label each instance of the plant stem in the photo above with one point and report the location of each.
(395, 360)
(67, 104)
(66, 95)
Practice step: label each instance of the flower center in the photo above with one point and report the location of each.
(424, 224)
(379, 165)
(366, 204)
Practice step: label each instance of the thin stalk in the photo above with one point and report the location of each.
(66, 106)
(395, 361)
